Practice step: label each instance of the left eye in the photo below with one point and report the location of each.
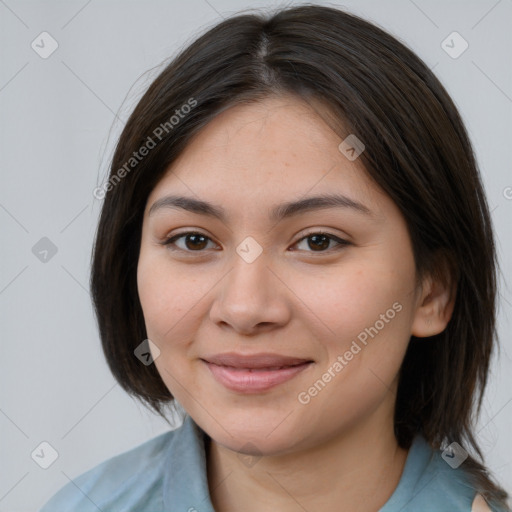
(320, 241)
(195, 242)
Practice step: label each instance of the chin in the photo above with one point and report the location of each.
(254, 432)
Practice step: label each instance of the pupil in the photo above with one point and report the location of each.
(316, 238)
(194, 239)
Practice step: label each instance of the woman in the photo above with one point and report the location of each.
(295, 245)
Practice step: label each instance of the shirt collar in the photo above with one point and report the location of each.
(186, 482)
(185, 479)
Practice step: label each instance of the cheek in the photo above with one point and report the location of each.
(171, 312)
(363, 314)
(368, 320)
(165, 297)
(342, 303)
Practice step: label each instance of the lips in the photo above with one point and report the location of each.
(254, 373)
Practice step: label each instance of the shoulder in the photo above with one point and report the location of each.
(124, 482)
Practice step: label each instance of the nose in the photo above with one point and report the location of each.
(251, 298)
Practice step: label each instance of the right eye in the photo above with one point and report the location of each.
(193, 242)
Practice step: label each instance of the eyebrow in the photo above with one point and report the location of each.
(279, 212)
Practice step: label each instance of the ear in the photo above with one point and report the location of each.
(436, 301)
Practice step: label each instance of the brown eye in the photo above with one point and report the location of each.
(319, 242)
(197, 242)
(193, 242)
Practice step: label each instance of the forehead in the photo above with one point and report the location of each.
(267, 151)
(276, 131)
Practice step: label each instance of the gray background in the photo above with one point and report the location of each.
(59, 118)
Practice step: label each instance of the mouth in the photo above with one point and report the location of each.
(255, 373)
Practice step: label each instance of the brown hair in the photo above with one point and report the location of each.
(417, 151)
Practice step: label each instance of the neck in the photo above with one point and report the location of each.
(357, 470)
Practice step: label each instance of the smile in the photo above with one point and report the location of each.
(256, 373)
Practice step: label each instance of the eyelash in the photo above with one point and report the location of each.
(170, 242)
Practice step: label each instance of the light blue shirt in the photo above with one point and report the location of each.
(168, 474)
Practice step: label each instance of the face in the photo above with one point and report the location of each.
(278, 327)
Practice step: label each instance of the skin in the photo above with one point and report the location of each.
(294, 299)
